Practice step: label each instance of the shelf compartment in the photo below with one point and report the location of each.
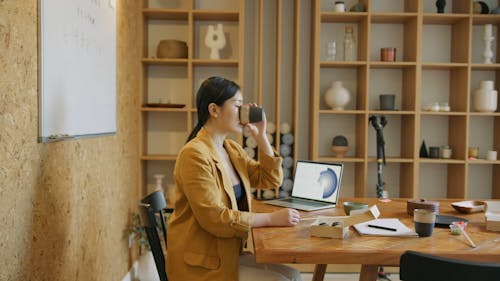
(399, 35)
(400, 82)
(232, 36)
(476, 76)
(396, 176)
(452, 7)
(399, 134)
(439, 180)
(444, 85)
(351, 126)
(160, 29)
(447, 40)
(393, 6)
(164, 137)
(335, 31)
(445, 130)
(166, 84)
(353, 79)
(482, 135)
(478, 48)
(480, 181)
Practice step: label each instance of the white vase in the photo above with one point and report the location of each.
(485, 97)
(337, 96)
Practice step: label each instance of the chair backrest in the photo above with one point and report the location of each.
(151, 210)
(415, 266)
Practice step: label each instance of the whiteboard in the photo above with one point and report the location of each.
(77, 77)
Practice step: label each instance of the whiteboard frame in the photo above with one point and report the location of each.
(96, 131)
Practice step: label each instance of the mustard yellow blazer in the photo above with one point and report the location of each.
(207, 231)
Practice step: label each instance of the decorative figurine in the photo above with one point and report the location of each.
(440, 6)
(215, 40)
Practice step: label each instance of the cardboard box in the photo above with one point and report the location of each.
(492, 215)
(322, 227)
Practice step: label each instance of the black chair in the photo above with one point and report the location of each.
(152, 209)
(415, 266)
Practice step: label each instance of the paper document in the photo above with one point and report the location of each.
(384, 227)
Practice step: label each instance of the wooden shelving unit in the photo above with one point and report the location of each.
(163, 131)
(448, 72)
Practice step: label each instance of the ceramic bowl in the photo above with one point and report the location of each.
(349, 206)
(468, 206)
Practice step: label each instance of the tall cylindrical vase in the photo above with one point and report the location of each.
(337, 96)
(485, 97)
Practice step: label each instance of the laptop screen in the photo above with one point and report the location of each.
(317, 180)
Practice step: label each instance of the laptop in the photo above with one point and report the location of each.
(316, 186)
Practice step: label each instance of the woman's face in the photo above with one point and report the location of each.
(228, 121)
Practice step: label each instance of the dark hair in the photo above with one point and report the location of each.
(213, 90)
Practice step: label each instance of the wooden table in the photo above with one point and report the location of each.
(295, 245)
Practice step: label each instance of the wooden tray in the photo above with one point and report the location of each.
(166, 105)
(468, 206)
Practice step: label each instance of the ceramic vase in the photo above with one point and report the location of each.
(488, 39)
(485, 97)
(337, 96)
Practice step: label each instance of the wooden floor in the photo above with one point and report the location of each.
(343, 277)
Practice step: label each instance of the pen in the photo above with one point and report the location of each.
(382, 227)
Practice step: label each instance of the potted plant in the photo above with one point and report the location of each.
(146, 268)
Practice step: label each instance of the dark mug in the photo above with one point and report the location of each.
(250, 114)
(424, 221)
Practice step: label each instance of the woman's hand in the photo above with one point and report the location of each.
(282, 217)
(285, 217)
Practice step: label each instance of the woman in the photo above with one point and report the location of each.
(212, 217)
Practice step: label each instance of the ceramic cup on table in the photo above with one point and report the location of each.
(424, 221)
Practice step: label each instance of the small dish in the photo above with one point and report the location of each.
(468, 206)
(350, 206)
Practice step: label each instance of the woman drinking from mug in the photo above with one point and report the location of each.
(212, 215)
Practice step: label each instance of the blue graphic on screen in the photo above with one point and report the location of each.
(318, 181)
(328, 182)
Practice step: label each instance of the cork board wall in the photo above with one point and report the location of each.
(63, 205)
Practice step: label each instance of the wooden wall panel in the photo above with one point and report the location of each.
(63, 205)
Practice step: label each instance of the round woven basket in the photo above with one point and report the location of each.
(172, 49)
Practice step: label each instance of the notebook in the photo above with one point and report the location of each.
(316, 186)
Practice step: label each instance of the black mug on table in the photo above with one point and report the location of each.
(424, 221)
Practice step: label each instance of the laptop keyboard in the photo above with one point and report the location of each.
(305, 202)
